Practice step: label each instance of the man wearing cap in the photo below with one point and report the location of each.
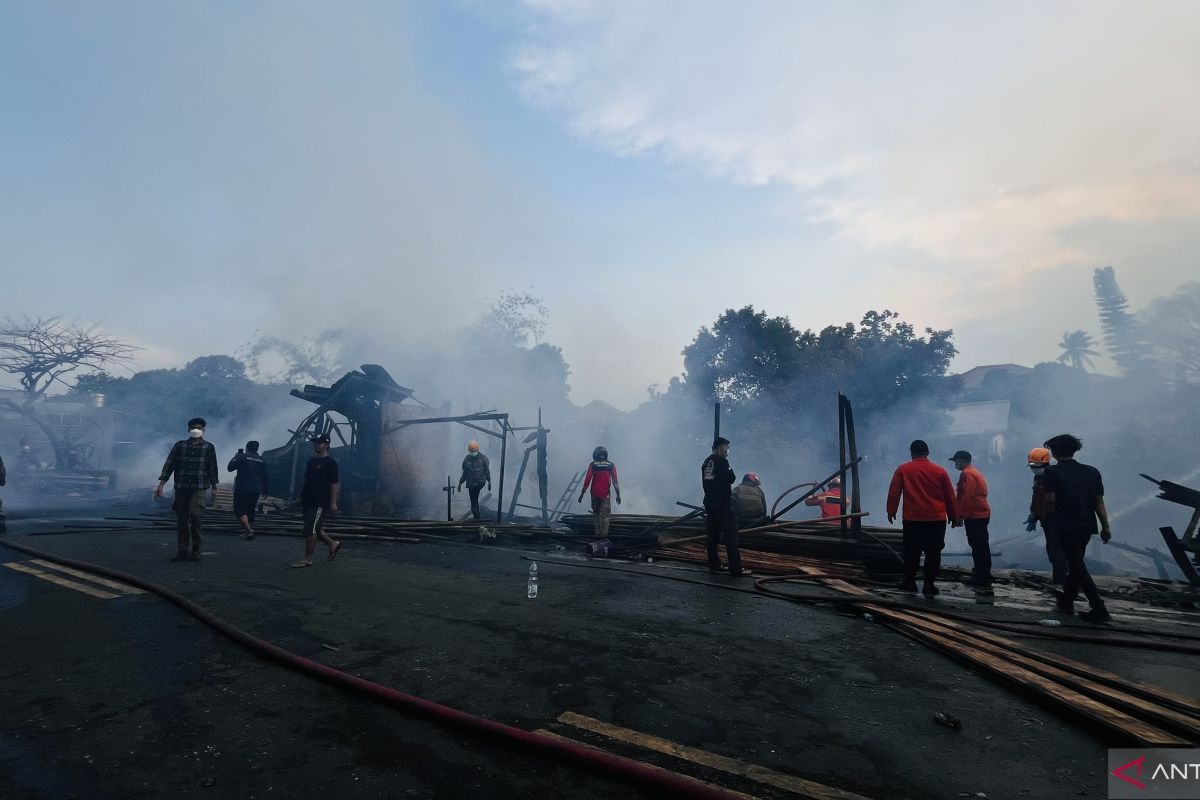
(749, 501)
(193, 462)
(717, 477)
(929, 503)
(319, 497)
(974, 513)
(475, 474)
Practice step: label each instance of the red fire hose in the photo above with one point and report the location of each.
(603, 764)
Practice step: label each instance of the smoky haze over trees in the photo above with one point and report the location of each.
(777, 382)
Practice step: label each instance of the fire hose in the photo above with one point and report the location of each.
(605, 765)
(852, 601)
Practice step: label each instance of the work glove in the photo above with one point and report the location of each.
(1031, 524)
(460, 486)
(618, 499)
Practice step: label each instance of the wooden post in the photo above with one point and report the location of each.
(716, 421)
(503, 454)
(855, 484)
(449, 490)
(542, 471)
(842, 461)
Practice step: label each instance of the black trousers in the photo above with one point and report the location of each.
(189, 511)
(923, 538)
(1074, 545)
(1054, 552)
(474, 491)
(722, 525)
(981, 551)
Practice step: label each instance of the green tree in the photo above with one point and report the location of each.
(744, 355)
(1123, 335)
(1173, 328)
(1077, 349)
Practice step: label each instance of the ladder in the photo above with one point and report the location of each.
(564, 502)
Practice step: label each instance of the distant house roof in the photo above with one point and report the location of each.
(973, 378)
(979, 419)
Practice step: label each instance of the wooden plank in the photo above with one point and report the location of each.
(1188, 705)
(695, 755)
(651, 767)
(1130, 703)
(1114, 719)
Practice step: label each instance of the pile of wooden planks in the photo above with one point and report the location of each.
(1136, 712)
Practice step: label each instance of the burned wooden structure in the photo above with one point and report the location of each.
(1182, 548)
(392, 448)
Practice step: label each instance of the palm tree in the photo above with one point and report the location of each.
(1077, 349)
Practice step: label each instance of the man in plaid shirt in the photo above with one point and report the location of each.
(194, 464)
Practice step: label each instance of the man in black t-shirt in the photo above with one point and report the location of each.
(1073, 502)
(318, 497)
(718, 477)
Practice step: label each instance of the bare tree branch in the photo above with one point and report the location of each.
(43, 351)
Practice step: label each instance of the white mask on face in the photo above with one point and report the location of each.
(1038, 470)
(196, 433)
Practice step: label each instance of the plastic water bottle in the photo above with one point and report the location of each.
(1050, 623)
(533, 581)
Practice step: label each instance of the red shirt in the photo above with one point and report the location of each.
(972, 497)
(600, 475)
(927, 491)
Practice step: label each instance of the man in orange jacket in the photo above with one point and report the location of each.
(929, 504)
(974, 513)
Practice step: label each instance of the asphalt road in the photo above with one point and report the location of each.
(129, 697)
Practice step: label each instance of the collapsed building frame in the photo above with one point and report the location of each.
(363, 413)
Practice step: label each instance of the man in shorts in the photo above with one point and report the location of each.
(319, 497)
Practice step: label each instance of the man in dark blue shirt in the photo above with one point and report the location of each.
(718, 477)
(1074, 501)
(249, 485)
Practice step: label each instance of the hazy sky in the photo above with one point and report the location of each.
(194, 172)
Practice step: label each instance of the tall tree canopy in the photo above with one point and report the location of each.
(1123, 335)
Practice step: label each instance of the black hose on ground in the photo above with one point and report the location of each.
(605, 765)
(852, 602)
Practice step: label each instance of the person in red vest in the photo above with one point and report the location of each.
(974, 513)
(601, 477)
(929, 504)
(829, 500)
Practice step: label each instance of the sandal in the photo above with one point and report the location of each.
(301, 564)
(333, 550)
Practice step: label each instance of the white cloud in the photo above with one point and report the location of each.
(972, 132)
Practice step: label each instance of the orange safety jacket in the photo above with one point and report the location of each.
(830, 502)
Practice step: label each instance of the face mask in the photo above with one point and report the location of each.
(195, 433)
(1038, 470)
(473, 454)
